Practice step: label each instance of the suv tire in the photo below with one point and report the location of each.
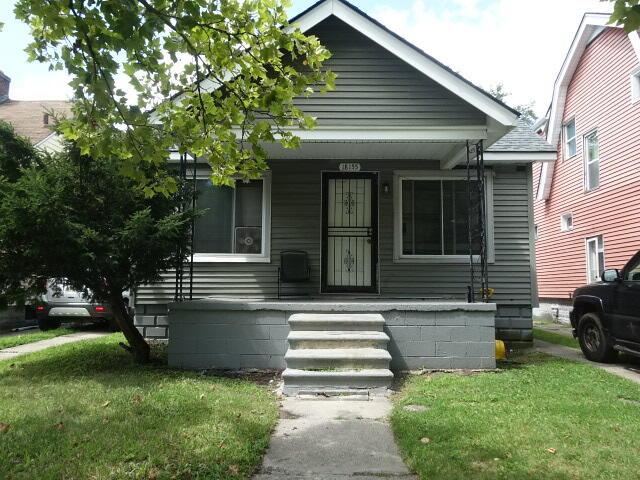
(593, 339)
(45, 324)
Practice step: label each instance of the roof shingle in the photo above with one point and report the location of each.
(27, 117)
(521, 139)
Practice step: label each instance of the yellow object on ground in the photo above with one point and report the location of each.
(501, 351)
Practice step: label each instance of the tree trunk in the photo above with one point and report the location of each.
(139, 347)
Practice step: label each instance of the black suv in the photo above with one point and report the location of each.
(606, 315)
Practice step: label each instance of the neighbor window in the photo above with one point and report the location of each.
(535, 232)
(566, 222)
(433, 218)
(570, 138)
(233, 222)
(591, 161)
(635, 86)
(595, 258)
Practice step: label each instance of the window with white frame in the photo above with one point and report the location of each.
(591, 161)
(635, 86)
(570, 138)
(595, 258)
(433, 218)
(566, 222)
(234, 225)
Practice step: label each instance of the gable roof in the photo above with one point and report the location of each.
(591, 25)
(408, 52)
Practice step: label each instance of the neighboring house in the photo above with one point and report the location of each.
(377, 197)
(587, 210)
(32, 119)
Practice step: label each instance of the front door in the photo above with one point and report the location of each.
(349, 232)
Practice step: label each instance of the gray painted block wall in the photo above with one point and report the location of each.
(220, 339)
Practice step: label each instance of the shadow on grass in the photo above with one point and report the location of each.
(86, 409)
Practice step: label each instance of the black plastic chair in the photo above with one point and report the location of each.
(294, 267)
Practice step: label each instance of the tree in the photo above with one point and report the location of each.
(16, 152)
(627, 14)
(526, 109)
(215, 78)
(76, 219)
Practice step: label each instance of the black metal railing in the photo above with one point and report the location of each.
(477, 223)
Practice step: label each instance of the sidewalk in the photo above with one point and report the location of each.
(629, 368)
(13, 352)
(333, 440)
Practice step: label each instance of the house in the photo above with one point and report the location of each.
(32, 119)
(586, 209)
(380, 199)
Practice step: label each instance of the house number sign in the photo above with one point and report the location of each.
(349, 167)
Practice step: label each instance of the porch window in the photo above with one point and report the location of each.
(233, 226)
(434, 219)
(591, 161)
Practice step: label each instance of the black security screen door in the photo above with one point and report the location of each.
(349, 232)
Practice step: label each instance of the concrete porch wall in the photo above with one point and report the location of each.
(235, 335)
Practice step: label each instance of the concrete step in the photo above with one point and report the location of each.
(306, 339)
(337, 358)
(337, 321)
(311, 382)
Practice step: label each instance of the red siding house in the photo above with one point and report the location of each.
(587, 208)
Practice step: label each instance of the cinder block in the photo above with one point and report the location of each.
(141, 330)
(182, 345)
(153, 309)
(420, 318)
(278, 332)
(466, 362)
(394, 318)
(156, 332)
(508, 311)
(451, 318)
(257, 347)
(145, 320)
(428, 363)
(451, 349)
(482, 319)
(436, 334)
(488, 362)
(481, 349)
(162, 320)
(417, 349)
(266, 362)
(521, 323)
(503, 322)
(403, 334)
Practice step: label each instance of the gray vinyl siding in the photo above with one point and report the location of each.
(295, 224)
(375, 88)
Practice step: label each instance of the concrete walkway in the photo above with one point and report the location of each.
(333, 440)
(629, 368)
(13, 352)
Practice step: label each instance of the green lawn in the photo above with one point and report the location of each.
(539, 418)
(557, 338)
(33, 336)
(85, 411)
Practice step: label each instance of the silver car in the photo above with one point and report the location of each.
(62, 303)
